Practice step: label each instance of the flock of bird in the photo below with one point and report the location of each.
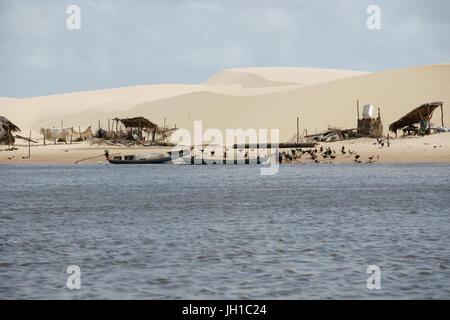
(318, 155)
(325, 154)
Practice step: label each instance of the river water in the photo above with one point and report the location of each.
(225, 232)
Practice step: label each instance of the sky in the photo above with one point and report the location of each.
(136, 42)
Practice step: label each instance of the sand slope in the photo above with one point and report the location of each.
(248, 98)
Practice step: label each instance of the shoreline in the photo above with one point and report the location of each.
(411, 149)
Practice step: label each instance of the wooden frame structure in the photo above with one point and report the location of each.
(423, 112)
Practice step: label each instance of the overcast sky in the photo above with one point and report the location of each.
(127, 43)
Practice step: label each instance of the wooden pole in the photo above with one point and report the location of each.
(357, 111)
(388, 140)
(9, 137)
(297, 130)
(139, 130)
(442, 115)
(29, 145)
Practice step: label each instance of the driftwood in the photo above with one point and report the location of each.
(333, 134)
(24, 138)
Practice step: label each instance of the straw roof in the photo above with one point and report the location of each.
(6, 130)
(137, 122)
(421, 112)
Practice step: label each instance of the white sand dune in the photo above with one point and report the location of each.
(242, 79)
(303, 76)
(248, 98)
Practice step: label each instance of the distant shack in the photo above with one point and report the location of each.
(138, 123)
(369, 126)
(423, 112)
(7, 128)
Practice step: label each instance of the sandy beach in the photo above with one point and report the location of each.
(257, 98)
(409, 149)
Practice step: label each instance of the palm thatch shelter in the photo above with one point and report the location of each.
(7, 128)
(138, 123)
(423, 112)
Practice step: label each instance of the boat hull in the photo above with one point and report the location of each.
(152, 159)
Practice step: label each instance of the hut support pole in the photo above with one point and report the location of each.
(29, 146)
(357, 112)
(9, 136)
(442, 115)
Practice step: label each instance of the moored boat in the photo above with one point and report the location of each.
(152, 158)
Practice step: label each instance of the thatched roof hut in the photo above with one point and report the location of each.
(6, 130)
(137, 122)
(424, 111)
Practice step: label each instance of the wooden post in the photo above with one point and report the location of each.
(388, 140)
(357, 112)
(139, 130)
(9, 137)
(297, 130)
(29, 146)
(442, 115)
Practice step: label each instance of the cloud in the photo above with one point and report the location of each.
(124, 43)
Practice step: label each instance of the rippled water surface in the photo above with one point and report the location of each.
(225, 232)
